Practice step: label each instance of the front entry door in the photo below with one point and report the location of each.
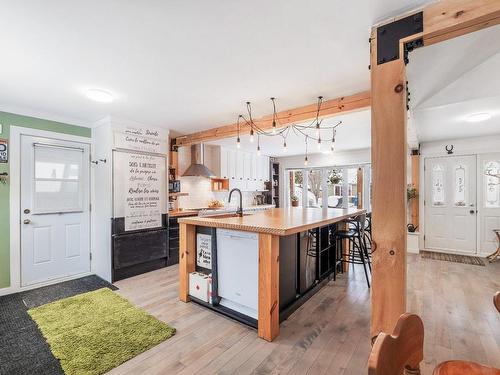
(55, 217)
(450, 204)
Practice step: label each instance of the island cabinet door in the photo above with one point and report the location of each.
(288, 270)
(268, 322)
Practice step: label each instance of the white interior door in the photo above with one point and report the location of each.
(489, 201)
(450, 204)
(55, 217)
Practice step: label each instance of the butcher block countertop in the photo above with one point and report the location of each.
(277, 221)
(180, 213)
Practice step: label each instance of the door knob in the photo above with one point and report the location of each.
(472, 212)
(26, 221)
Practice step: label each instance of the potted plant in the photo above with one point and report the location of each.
(295, 200)
(411, 192)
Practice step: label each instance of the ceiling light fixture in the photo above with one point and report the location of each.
(478, 117)
(99, 95)
(283, 131)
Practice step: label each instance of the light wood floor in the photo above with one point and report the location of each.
(329, 334)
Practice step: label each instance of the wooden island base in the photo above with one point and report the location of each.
(269, 225)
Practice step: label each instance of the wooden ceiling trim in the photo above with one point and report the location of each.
(329, 108)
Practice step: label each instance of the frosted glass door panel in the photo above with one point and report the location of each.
(57, 181)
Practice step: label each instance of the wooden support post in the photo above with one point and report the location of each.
(269, 319)
(359, 188)
(389, 193)
(187, 258)
(415, 182)
(443, 20)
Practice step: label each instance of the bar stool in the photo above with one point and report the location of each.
(368, 233)
(357, 251)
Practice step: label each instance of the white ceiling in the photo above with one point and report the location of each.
(353, 133)
(450, 81)
(185, 65)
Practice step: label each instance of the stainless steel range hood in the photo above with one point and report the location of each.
(197, 167)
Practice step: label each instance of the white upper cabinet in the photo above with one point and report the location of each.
(224, 170)
(245, 170)
(231, 164)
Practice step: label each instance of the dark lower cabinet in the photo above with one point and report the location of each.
(173, 241)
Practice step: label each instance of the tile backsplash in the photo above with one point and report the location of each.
(200, 193)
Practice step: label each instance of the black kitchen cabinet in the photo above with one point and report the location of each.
(173, 241)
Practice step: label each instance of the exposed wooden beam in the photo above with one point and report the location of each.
(444, 20)
(329, 108)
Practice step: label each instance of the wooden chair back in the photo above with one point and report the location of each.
(403, 350)
(496, 300)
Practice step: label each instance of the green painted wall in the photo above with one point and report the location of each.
(7, 120)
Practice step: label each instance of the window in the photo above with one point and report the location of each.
(491, 184)
(314, 188)
(438, 185)
(295, 182)
(57, 184)
(460, 186)
(334, 187)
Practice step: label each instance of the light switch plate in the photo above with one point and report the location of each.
(1, 128)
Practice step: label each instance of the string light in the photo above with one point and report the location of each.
(306, 160)
(274, 115)
(238, 142)
(300, 130)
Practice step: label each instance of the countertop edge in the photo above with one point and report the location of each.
(215, 223)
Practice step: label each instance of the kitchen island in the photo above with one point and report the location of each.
(274, 236)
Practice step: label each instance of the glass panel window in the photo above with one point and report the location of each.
(295, 182)
(314, 188)
(460, 186)
(57, 179)
(334, 187)
(492, 184)
(438, 185)
(352, 189)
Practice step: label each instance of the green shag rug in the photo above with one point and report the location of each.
(94, 332)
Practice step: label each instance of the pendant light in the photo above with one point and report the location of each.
(276, 129)
(274, 115)
(306, 160)
(238, 142)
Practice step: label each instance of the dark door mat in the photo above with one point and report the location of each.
(41, 296)
(23, 350)
(465, 259)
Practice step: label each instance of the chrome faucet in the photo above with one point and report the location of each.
(239, 211)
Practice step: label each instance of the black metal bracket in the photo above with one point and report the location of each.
(389, 35)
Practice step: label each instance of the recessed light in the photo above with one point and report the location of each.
(478, 117)
(99, 95)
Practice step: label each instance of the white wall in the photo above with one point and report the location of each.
(473, 145)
